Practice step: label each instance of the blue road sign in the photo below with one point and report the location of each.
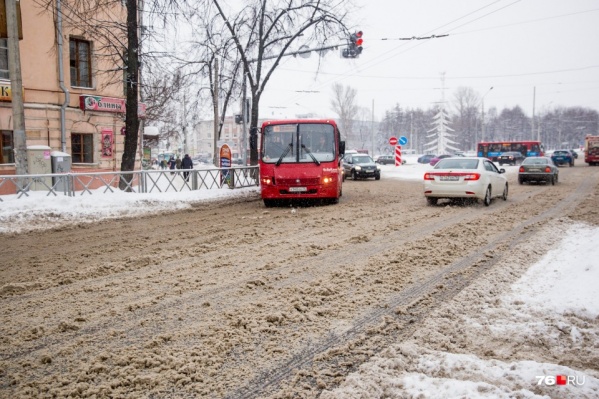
(403, 140)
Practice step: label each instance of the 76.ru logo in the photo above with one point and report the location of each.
(560, 380)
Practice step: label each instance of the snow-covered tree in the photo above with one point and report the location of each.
(440, 136)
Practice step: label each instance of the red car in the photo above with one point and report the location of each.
(436, 159)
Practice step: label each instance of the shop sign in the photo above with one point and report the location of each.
(107, 104)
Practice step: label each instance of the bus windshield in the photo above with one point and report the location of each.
(298, 143)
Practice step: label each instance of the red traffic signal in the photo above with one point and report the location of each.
(357, 38)
(354, 47)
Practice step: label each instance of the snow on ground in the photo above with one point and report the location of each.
(558, 293)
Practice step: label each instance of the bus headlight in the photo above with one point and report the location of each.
(327, 180)
(266, 181)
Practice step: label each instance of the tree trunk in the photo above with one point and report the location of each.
(131, 116)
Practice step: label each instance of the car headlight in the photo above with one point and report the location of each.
(358, 167)
(378, 167)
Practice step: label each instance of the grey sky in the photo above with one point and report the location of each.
(518, 47)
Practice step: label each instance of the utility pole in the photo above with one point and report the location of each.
(534, 95)
(483, 114)
(372, 128)
(16, 88)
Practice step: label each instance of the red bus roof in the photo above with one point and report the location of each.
(292, 121)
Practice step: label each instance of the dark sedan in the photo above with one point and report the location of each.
(385, 160)
(562, 157)
(538, 169)
(360, 166)
(511, 158)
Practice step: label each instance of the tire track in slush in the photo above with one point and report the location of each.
(436, 286)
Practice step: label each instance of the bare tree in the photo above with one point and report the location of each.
(343, 103)
(265, 31)
(466, 121)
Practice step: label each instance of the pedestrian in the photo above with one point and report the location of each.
(186, 164)
(163, 164)
(172, 164)
(178, 162)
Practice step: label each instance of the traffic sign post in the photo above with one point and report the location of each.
(397, 155)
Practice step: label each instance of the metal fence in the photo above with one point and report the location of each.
(139, 181)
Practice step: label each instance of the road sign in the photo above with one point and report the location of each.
(403, 140)
(397, 155)
(393, 140)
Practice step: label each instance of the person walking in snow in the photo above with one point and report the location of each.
(186, 164)
(172, 164)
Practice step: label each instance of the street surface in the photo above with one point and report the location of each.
(235, 300)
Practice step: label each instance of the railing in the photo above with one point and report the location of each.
(139, 181)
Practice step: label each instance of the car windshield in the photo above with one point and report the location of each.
(511, 153)
(561, 152)
(457, 163)
(361, 159)
(534, 161)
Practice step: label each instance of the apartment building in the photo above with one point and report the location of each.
(78, 109)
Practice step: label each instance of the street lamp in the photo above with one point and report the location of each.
(483, 114)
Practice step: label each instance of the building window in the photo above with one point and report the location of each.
(81, 63)
(82, 147)
(4, 59)
(7, 155)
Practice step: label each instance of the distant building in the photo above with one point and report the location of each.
(231, 134)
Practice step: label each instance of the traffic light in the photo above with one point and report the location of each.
(354, 48)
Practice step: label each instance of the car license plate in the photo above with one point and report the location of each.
(297, 189)
(534, 170)
(449, 178)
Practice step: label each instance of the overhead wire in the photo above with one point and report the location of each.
(381, 59)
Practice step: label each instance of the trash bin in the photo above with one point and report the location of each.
(38, 163)
(61, 163)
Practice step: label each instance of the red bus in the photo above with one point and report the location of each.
(300, 160)
(591, 150)
(493, 149)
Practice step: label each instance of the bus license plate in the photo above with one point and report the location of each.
(297, 189)
(449, 178)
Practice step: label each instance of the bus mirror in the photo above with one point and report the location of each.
(342, 147)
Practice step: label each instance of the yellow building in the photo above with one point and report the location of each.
(75, 109)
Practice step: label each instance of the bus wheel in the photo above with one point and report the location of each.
(269, 203)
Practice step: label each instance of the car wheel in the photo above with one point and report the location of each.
(269, 203)
(553, 180)
(354, 176)
(431, 200)
(571, 163)
(377, 177)
(556, 179)
(343, 177)
(520, 180)
(487, 199)
(505, 190)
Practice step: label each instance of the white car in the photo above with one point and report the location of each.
(465, 177)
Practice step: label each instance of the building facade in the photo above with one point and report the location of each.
(77, 109)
